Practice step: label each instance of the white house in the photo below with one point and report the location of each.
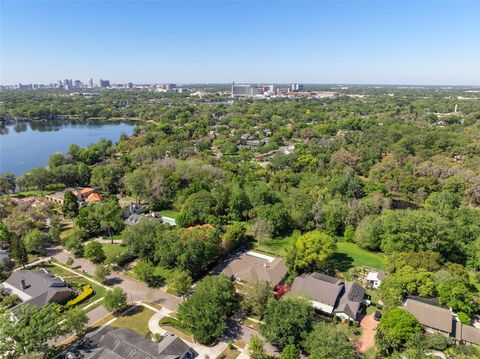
(374, 279)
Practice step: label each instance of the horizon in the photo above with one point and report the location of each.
(367, 43)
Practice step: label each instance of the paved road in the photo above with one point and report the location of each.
(136, 291)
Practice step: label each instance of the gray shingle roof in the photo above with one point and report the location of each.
(319, 287)
(431, 315)
(125, 343)
(42, 286)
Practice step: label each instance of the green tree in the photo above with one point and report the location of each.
(106, 177)
(328, 341)
(76, 320)
(8, 183)
(196, 210)
(18, 250)
(290, 352)
(180, 282)
(31, 330)
(396, 327)
(310, 252)
(115, 300)
(256, 348)
(256, 297)
(102, 272)
(75, 245)
(206, 312)
(110, 215)
(141, 239)
(93, 251)
(36, 241)
(70, 205)
(287, 321)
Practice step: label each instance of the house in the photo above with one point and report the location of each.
(253, 266)
(331, 295)
(84, 195)
(122, 343)
(437, 319)
(134, 208)
(37, 287)
(374, 279)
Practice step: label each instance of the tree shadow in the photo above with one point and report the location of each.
(340, 261)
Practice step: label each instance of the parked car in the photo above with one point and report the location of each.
(377, 315)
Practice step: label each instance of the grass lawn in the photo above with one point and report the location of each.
(350, 255)
(67, 233)
(174, 326)
(112, 251)
(275, 247)
(136, 320)
(163, 273)
(169, 213)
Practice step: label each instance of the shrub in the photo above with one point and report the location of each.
(86, 293)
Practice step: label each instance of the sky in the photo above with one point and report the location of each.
(430, 42)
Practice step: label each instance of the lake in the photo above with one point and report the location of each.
(25, 145)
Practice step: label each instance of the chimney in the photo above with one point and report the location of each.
(24, 285)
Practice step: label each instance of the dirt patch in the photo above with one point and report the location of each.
(369, 328)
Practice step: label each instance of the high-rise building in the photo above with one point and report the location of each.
(78, 84)
(297, 87)
(130, 85)
(104, 83)
(244, 90)
(90, 83)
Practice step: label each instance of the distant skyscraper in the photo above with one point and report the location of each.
(243, 90)
(90, 83)
(297, 87)
(104, 83)
(130, 85)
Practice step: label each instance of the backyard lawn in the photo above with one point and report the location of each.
(352, 255)
(275, 247)
(112, 251)
(169, 213)
(136, 320)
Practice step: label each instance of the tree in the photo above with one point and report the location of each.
(75, 246)
(76, 320)
(69, 261)
(256, 297)
(196, 210)
(70, 205)
(18, 251)
(328, 341)
(31, 330)
(7, 183)
(206, 312)
(287, 321)
(106, 177)
(36, 241)
(290, 352)
(310, 252)
(115, 300)
(180, 282)
(396, 327)
(256, 349)
(110, 215)
(145, 271)
(140, 239)
(94, 252)
(102, 272)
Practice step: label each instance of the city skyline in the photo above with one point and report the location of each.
(347, 42)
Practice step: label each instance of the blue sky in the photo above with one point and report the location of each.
(367, 42)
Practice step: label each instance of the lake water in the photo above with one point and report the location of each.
(25, 145)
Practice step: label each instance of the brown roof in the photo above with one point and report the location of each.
(250, 268)
(430, 315)
(470, 334)
(93, 197)
(320, 287)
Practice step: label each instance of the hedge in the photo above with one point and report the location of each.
(86, 293)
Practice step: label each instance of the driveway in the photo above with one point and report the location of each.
(136, 291)
(369, 329)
